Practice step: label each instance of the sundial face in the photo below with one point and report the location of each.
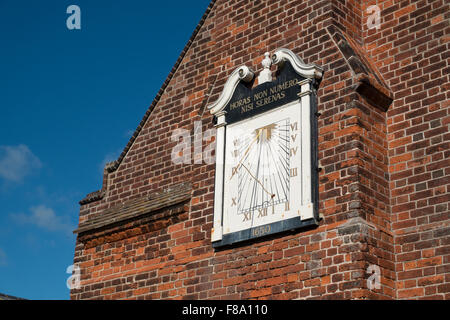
(261, 169)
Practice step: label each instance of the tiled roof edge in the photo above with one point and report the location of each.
(8, 297)
(137, 208)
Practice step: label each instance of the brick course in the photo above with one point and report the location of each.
(384, 187)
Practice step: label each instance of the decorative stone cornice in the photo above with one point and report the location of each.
(265, 75)
(305, 70)
(309, 71)
(243, 73)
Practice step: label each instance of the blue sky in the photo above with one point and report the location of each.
(69, 102)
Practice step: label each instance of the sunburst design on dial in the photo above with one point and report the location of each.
(263, 171)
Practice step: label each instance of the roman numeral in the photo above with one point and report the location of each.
(234, 153)
(294, 126)
(294, 137)
(234, 170)
(233, 201)
(293, 151)
(262, 212)
(286, 206)
(293, 172)
(247, 216)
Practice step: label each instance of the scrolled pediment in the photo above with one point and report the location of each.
(243, 73)
(246, 75)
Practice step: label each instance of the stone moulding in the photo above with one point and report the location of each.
(305, 70)
(243, 73)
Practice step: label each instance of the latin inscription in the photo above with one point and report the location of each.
(262, 98)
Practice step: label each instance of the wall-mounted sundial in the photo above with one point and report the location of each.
(266, 152)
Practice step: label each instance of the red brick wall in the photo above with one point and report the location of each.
(383, 188)
(412, 52)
